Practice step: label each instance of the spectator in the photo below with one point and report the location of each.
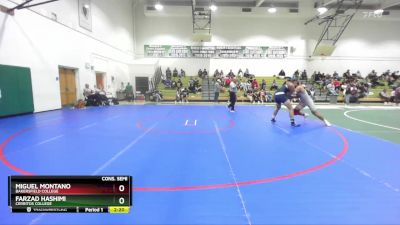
(249, 95)
(263, 85)
(175, 73)
(282, 74)
(205, 73)
(246, 73)
(397, 96)
(358, 74)
(184, 95)
(337, 85)
(168, 74)
(129, 92)
(182, 74)
(384, 97)
(192, 86)
(216, 73)
(217, 90)
(331, 88)
(254, 84)
(335, 75)
(274, 85)
(231, 74)
(232, 94)
(312, 92)
(240, 73)
(304, 75)
(87, 91)
(179, 83)
(178, 96)
(200, 73)
(296, 75)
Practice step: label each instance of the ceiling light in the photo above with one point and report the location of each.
(272, 10)
(378, 11)
(322, 10)
(86, 6)
(213, 7)
(158, 6)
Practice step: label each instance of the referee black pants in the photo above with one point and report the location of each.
(232, 100)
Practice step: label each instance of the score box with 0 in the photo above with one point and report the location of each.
(70, 191)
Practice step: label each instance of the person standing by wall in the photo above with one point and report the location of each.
(217, 91)
(232, 94)
(129, 92)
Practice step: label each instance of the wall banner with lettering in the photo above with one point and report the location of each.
(215, 52)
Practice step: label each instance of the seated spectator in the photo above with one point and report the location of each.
(256, 97)
(245, 86)
(192, 87)
(384, 97)
(231, 74)
(274, 85)
(312, 92)
(263, 85)
(179, 83)
(358, 75)
(246, 73)
(304, 75)
(347, 75)
(182, 73)
(173, 85)
(296, 75)
(254, 84)
(228, 81)
(200, 73)
(249, 95)
(331, 88)
(205, 73)
(335, 75)
(184, 95)
(87, 91)
(168, 74)
(216, 73)
(240, 73)
(175, 72)
(167, 83)
(337, 85)
(353, 92)
(282, 74)
(363, 90)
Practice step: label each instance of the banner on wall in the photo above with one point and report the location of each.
(215, 52)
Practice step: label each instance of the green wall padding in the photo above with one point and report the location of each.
(15, 90)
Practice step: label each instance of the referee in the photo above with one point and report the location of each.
(232, 94)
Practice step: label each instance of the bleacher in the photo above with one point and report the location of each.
(207, 93)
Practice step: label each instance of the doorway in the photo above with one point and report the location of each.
(100, 77)
(142, 84)
(67, 86)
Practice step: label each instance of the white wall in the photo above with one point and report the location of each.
(30, 39)
(367, 43)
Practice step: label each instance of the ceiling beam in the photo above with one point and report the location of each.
(259, 2)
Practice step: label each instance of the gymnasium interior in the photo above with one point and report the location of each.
(212, 112)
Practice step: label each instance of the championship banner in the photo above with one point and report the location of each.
(215, 52)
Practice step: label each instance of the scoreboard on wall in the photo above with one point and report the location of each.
(70, 194)
(216, 52)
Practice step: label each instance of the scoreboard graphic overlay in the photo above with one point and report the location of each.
(70, 194)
